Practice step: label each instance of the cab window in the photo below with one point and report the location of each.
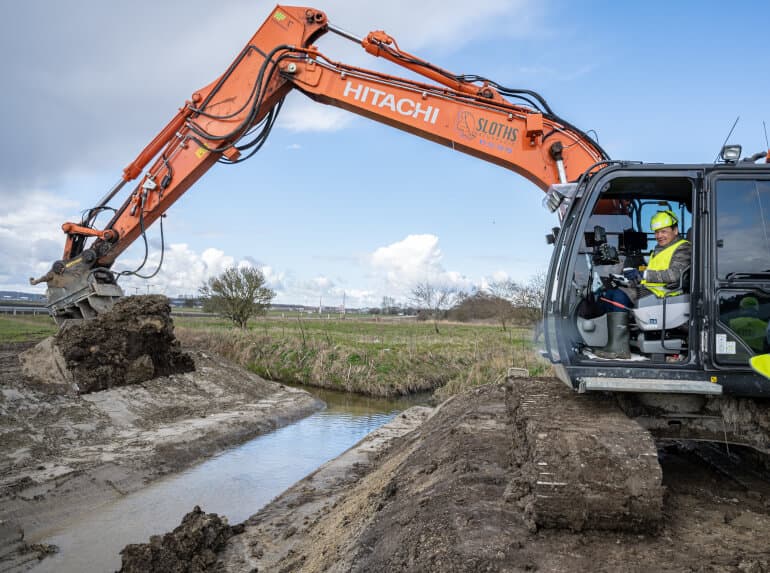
(742, 227)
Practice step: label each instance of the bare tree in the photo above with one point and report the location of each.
(527, 298)
(388, 305)
(237, 294)
(533, 293)
(505, 293)
(433, 299)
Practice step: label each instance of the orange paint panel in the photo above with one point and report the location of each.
(494, 132)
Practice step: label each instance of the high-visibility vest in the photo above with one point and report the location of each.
(660, 262)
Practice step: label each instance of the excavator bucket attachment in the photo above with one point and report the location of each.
(82, 295)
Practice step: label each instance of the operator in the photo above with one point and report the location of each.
(670, 258)
(668, 261)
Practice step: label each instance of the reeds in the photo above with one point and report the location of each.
(367, 357)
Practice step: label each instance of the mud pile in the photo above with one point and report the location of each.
(191, 547)
(132, 343)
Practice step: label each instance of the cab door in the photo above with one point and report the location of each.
(740, 268)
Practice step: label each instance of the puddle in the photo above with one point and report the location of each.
(235, 483)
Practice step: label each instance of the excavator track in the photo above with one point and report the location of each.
(585, 464)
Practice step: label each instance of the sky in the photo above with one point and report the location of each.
(337, 207)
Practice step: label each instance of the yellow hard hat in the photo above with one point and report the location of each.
(663, 219)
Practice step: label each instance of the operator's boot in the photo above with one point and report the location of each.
(617, 337)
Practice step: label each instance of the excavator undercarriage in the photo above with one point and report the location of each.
(587, 465)
(591, 460)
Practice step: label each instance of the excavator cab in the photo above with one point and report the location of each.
(700, 338)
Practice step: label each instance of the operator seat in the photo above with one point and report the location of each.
(663, 322)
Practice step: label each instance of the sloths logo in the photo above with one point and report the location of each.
(469, 127)
(466, 124)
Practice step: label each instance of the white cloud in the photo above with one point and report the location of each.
(303, 115)
(34, 215)
(495, 277)
(414, 259)
(323, 283)
(183, 271)
(414, 256)
(393, 271)
(31, 238)
(276, 280)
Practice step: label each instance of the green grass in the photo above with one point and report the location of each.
(375, 357)
(384, 358)
(24, 328)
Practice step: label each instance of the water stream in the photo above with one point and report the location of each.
(236, 483)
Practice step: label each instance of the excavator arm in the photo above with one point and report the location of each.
(230, 119)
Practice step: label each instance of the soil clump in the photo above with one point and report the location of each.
(190, 548)
(131, 343)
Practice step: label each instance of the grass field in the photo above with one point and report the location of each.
(383, 358)
(24, 328)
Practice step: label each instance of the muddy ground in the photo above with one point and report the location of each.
(62, 454)
(431, 491)
(439, 499)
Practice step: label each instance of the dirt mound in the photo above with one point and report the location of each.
(191, 547)
(449, 505)
(134, 342)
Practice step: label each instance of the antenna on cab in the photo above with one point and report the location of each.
(726, 138)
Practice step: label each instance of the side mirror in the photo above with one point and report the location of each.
(551, 237)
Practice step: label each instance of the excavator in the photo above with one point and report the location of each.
(695, 363)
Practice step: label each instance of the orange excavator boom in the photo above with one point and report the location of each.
(228, 121)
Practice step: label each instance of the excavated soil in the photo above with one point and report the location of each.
(131, 343)
(63, 454)
(438, 496)
(192, 547)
